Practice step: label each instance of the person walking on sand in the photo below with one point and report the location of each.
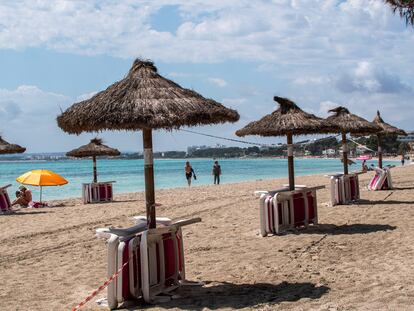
(402, 160)
(189, 173)
(216, 172)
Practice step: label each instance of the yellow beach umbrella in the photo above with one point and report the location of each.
(41, 178)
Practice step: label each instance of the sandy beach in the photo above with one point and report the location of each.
(360, 257)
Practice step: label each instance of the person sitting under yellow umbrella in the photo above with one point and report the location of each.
(41, 178)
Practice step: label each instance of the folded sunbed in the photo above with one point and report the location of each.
(344, 188)
(283, 210)
(151, 260)
(5, 203)
(97, 192)
(381, 180)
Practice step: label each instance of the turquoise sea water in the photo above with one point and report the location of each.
(129, 174)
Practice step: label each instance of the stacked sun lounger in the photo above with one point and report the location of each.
(381, 180)
(5, 204)
(151, 261)
(283, 210)
(97, 192)
(344, 188)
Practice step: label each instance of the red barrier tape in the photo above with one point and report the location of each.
(102, 287)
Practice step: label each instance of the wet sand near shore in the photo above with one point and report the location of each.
(360, 257)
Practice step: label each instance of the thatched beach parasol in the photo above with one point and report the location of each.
(7, 148)
(346, 122)
(94, 149)
(288, 120)
(144, 100)
(386, 129)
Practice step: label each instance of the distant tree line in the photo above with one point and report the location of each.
(157, 155)
(390, 145)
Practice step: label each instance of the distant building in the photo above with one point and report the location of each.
(219, 146)
(360, 150)
(408, 139)
(191, 149)
(329, 152)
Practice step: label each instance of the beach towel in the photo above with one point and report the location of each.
(37, 204)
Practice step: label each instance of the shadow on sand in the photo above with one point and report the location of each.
(237, 296)
(402, 188)
(125, 201)
(21, 213)
(382, 202)
(332, 229)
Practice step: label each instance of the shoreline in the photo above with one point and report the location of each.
(4, 158)
(242, 182)
(282, 180)
(173, 181)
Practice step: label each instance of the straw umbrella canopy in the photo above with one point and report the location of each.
(7, 148)
(386, 129)
(288, 120)
(346, 122)
(144, 100)
(94, 149)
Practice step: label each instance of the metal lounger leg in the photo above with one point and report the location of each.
(112, 247)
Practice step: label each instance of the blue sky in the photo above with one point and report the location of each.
(320, 54)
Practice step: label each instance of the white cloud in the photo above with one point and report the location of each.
(179, 74)
(325, 106)
(318, 80)
(367, 77)
(9, 110)
(28, 114)
(299, 32)
(233, 101)
(31, 102)
(85, 96)
(218, 82)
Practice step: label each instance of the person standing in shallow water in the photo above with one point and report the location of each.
(216, 172)
(189, 172)
(364, 166)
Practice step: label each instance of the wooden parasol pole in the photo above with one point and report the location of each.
(149, 178)
(379, 151)
(290, 162)
(345, 153)
(95, 173)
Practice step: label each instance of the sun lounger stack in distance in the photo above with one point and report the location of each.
(284, 210)
(344, 188)
(5, 204)
(97, 192)
(153, 259)
(381, 180)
